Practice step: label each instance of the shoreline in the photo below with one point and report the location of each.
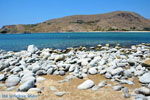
(87, 47)
(84, 32)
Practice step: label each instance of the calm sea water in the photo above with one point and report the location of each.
(16, 42)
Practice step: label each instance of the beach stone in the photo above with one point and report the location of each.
(35, 68)
(84, 70)
(31, 60)
(102, 71)
(35, 90)
(53, 88)
(26, 73)
(76, 70)
(70, 77)
(133, 47)
(95, 88)
(14, 62)
(59, 58)
(143, 90)
(72, 68)
(93, 63)
(84, 62)
(102, 84)
(107, 45)
(27, 85)
(45, 53)
(32, 49)
(50, 71)
(92, 71)
(127, 73)
(148, 85)
(56, 72)
(63, 81)
(62, 73)
(6, 70)
(40, 79)
(131, 62)
(86, 85)
(59, 94)
(79, 76)
(139, 72)
(12, 81)
(84, 75)
(3, 65)
(125, 91)
(117, 87)
(41, 72)
(126, 82)
(145, 78)
(108, 75)
(148, 97)
(2, 77)
(117, 71)
(121, 64)
(140, 97)
(27, 77)
(16, 70)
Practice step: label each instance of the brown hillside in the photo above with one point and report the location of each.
(114, 21)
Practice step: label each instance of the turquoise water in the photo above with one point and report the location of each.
(15, 42)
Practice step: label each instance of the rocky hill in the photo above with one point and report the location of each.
(114, 21)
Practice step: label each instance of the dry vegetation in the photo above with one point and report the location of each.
(115, 21)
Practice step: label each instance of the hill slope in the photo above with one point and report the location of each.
(114, 21)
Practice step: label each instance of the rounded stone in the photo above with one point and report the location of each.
(143, 90)
(32, 49)
(145, 78)
(27, 85)
(86, 85)
(50, 71)
(117, 71)
(102, 84)
(92, 71)
(34, 90)
(27, 77)
(12, 81)
(61, 73)
(72, 68)
(40, 79)
(41, 72)
(117, 87)
(2, 77)
(60, 94)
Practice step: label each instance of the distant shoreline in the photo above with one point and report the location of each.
(120, 31)
(84, 32)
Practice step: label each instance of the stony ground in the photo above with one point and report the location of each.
(96, 73)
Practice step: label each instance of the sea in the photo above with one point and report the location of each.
(17, 42)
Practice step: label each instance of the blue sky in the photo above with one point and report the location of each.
(34, 11)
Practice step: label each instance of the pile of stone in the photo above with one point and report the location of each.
(114, 63)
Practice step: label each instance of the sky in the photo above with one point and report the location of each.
(35, 11)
